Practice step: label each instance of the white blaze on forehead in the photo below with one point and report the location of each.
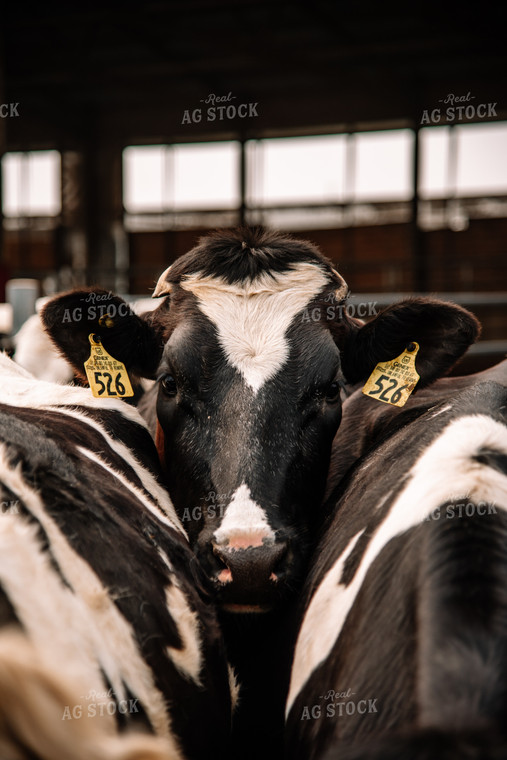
(244, 522)
(444, 472)
(252, 318)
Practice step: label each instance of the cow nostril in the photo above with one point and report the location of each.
(280, 563)
(224, 576)
(223, 570)
(220, 558)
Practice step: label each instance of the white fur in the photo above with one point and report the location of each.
(20, 388)
(444, 471)
(252, 317)
(234, 687)
(36, 353)
(318, 633)
(188, 659)
(162, 288)
(441, 411)
(243, 518)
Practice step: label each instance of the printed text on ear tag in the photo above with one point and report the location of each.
(393, 381)
(107, 377)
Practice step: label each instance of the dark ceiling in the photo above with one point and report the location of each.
(127, 73)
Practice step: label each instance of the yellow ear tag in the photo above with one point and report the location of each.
(107, 377)
(393, 381)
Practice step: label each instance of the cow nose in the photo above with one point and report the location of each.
(252, 567)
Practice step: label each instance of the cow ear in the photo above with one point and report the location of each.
(443, 331)
(70, 318)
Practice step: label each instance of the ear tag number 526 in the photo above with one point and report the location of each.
(107, 376)
(393, 381)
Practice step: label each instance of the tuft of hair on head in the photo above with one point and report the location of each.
(244, 254)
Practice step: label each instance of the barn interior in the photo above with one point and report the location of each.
(379, 135)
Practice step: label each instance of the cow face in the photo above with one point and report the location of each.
(248, 403)
(249, 369)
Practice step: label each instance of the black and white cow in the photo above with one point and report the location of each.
(402, 645)
(250, 347)
(105, 623)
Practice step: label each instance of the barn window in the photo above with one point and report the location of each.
(319, 181)
(463, 174)
(383, 165)
(144, 172)
(435, 178)
(190, 177)
(330, 180)
(482, 159)
(296, 170)
(31, 184)
(206, 176)
(464, 160)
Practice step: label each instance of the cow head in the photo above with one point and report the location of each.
(250, 347)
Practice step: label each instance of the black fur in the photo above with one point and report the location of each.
(242, 255)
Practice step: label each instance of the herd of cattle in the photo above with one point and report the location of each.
(255, 559)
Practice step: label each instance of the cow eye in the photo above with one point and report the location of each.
(169, 385)
(333, 392)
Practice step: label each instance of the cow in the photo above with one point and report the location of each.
(250, 348)
(401, 646)
(106, 623)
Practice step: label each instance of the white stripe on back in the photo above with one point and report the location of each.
(445, 471)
